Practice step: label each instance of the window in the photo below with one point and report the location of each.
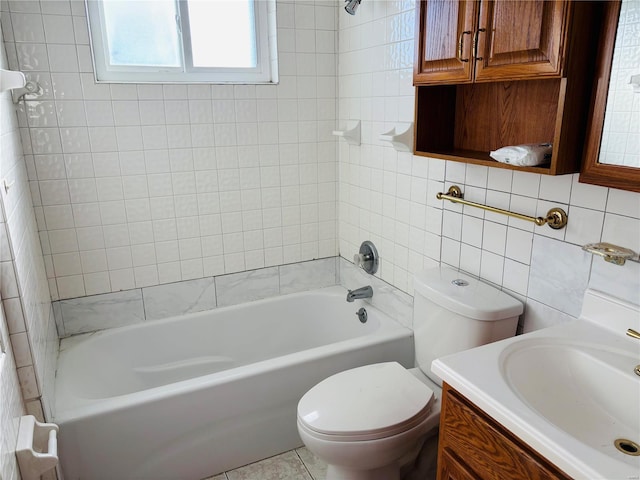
(189, 41)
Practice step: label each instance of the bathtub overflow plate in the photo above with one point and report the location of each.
(458, 282)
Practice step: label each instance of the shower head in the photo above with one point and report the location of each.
(351, 6)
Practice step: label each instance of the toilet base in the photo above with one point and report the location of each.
(389, 472)
(409, 455)
(419, 464)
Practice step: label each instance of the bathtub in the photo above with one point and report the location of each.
(196, 395)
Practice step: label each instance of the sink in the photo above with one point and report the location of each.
(569, 391)
(590, 392)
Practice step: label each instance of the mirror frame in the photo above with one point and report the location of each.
(616, 176)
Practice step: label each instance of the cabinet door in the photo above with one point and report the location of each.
(451, 468)
(520, 39)
(473, 446)
(443, 49)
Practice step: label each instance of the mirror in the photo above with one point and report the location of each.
(612, 151)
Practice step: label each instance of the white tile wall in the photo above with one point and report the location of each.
(140, 185)
(11, 406)
(24, 287)
(389, 197)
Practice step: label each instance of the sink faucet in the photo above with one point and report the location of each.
(633, 334)
(362, 292)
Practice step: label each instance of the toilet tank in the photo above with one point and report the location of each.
(454, 312)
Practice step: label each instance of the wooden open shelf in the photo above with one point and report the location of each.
(465, 122)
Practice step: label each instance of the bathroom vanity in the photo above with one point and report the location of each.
(560, 402)
(472, 445)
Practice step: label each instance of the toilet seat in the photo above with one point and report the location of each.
(365, 403)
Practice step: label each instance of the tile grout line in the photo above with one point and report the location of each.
(304, 464)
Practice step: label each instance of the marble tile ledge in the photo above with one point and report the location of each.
(391, 300)
(129, 307)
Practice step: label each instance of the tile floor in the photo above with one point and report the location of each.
(298, 464)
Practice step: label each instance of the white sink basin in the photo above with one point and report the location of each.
(569, 391)
(588, 391)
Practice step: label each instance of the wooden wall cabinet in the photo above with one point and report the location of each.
(494, 73)
(443, 47)
(465, 41)
(473, 446)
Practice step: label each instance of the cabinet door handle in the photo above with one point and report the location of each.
(475, 43)
(460, 44)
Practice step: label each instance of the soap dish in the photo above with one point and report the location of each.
(36, 447)
(611, 253)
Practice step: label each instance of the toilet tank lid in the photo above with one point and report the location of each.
(465, 295)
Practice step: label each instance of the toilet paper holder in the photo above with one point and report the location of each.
(37, 447)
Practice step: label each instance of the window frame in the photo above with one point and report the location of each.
(266, 55)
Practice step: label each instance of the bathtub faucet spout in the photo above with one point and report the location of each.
(362, 292)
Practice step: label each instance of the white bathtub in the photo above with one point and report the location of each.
(196, 395)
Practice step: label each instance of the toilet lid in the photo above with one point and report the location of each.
(371, 402)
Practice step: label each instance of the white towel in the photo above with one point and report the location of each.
(523, 155)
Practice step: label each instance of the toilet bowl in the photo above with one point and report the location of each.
(369, 423)
(346, 420)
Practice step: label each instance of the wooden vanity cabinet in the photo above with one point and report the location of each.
(494, 73)
(473, 446)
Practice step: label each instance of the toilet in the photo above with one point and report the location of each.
(370, 422)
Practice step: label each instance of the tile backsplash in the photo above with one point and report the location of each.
(141, 185)
(98, 312)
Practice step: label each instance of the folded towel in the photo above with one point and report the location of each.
(523, 155)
